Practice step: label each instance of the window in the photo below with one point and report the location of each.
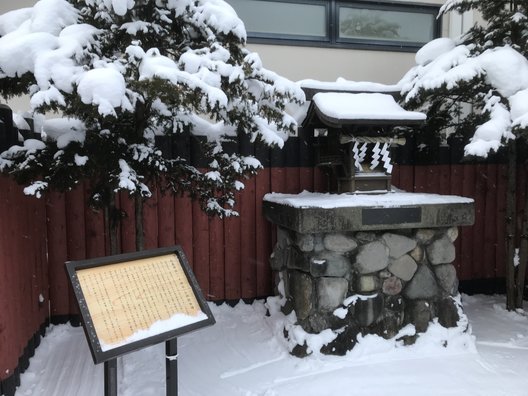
(278, 19)
(334, 23)
(384, 24)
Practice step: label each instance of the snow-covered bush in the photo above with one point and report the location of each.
(486, 68)
(120, 73)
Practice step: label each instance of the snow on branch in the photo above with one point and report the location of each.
(444, 65)
(128, 71)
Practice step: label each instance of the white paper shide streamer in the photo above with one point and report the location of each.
(375, 156)
(355, 152)
(362, 152)
(385, 152)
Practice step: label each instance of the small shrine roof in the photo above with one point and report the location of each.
(335, 109)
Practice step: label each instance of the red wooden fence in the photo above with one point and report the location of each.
(229, 256)
(24, 274)
(480, 248)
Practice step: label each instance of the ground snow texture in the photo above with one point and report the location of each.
(244, 354)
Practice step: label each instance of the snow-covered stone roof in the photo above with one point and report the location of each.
(336, 109)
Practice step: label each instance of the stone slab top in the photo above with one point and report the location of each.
(310, 212)
(390, 199)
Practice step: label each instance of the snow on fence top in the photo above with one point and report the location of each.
(341, 85)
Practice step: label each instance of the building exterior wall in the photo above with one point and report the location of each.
(17, 104)
(328, 64)
(8, 5)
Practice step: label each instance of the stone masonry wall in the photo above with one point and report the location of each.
(367, 282)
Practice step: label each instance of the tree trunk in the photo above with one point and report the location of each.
(141, 116)
(511, 211)
(138, 207)
(111, 224)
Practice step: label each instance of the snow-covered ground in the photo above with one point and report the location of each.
(244, 354)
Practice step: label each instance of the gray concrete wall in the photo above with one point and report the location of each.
(327, 64)
(8, 5)
(18, 104)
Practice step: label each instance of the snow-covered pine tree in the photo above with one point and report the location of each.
(476, 86)
(120, 73)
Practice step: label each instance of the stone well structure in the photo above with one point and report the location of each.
(367, 264)
(371, 260)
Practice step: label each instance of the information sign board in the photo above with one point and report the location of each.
(131, 301)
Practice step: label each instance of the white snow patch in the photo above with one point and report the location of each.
(489, 136)
(104, 87)
(252, 359)
(36, 188)
(52, 16)
(159, 327)
(12, 20)
(222, 16)
(20, 122)
(63, 131)
(154, 64)
(121, 6)
(341, 312)
(32, 145)
(352, 300)
(214, 131)
(506, 69)
(214, 176)
(252, 162)
(269, 132)
(433, 50)
(127, 176)
(519, 108)
(80, 160)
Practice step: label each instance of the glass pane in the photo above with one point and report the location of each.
(356, 23)
(277, 18)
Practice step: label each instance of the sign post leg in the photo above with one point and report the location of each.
(110, 377)
(171, 366)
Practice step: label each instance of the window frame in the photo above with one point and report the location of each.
(294, 37)
(332, 39)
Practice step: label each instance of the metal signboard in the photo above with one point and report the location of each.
(131, 301)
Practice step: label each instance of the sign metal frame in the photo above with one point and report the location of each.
(99, 355)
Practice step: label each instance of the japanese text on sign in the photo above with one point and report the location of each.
(124, 298)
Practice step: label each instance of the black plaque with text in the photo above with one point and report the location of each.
(391, 216)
